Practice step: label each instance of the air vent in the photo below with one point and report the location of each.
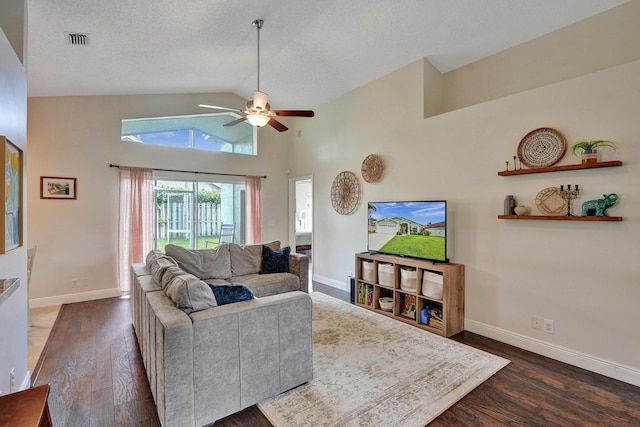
(77, 39)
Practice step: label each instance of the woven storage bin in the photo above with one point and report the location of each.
(385, 274)
(432, 285)
(408, 279)
(368, 271)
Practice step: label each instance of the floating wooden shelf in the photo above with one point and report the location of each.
(563, 218)
(578, 166)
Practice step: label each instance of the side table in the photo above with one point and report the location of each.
(26, 408)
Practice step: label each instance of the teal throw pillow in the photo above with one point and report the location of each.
(233, 292)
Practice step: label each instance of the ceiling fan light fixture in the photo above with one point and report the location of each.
(258, 112)
(260, 100)
(258, 120)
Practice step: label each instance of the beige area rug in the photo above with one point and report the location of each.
(370, 370)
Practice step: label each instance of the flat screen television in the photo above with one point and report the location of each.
(413, 229)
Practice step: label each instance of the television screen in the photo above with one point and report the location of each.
(414, 229)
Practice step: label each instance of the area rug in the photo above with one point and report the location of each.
(370, 370)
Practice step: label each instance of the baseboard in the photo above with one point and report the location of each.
(71, 298)
(581, 360)
(331, 282)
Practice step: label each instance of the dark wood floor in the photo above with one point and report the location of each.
(97, 379)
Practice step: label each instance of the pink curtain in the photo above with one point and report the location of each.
(253, 185)
(135, 221)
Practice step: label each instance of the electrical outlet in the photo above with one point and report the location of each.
(536, 322)
(548, 326)
(84, 281)
(74, 282)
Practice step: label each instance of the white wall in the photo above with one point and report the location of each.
(79, 137)
(13, 264)
(582, 275)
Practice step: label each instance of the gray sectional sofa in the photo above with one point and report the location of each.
(206, 361)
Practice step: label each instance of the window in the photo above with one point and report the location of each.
(200, 132)
(191, 213)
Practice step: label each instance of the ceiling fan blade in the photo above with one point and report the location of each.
(235, 122)
(296, 113)
(219, 108)
(277, 125)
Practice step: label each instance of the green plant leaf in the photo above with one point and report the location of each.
(581, 146)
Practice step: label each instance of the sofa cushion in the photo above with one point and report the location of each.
(152, 255)
(169, 274)
(189, 293)
(203, 263)
(159, 265)
(230, 293)
(275, 261)
(247, 259)
(264, 285)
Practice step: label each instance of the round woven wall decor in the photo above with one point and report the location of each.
(542, 147)
(345, 192)
(372, 168)
(550, 202)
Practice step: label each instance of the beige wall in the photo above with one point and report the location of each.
(600, 42)
(79, 137)
(584, 276)
(13, 264)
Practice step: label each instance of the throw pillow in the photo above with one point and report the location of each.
(190, 294)
(275, 261)
(203, 263)
(230, 293)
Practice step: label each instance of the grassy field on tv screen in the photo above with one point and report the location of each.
(431, 247)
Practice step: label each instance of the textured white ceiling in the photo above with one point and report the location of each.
(312, 51)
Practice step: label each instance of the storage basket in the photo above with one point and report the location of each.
(385, 274)
(368, 271)
(432, 285)
(408, 279)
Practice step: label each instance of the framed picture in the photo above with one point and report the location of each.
(11, 220)
(52, 187)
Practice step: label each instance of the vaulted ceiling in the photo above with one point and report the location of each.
(312, 51)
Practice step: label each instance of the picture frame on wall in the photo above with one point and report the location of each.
(53, 187)
(11, 218)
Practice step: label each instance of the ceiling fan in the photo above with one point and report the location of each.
(258, 111)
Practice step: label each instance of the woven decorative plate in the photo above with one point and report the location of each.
(542, 147)
(550, 202)
(372, 168)
(345, 192)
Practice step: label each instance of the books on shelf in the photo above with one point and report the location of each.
(409, 308)
(365, 294)
(431, 315)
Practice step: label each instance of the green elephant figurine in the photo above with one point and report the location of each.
(599, 207)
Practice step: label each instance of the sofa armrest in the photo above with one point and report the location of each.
(248, 351)
(299, 265)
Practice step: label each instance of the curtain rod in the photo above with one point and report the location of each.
(204, 173)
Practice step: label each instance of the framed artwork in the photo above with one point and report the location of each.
(11, 220)
(52, 187)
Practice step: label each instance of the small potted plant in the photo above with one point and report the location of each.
(589, 149)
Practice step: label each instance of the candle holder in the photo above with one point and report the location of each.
(569, 195)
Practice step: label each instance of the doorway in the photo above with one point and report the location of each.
(301, 214)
